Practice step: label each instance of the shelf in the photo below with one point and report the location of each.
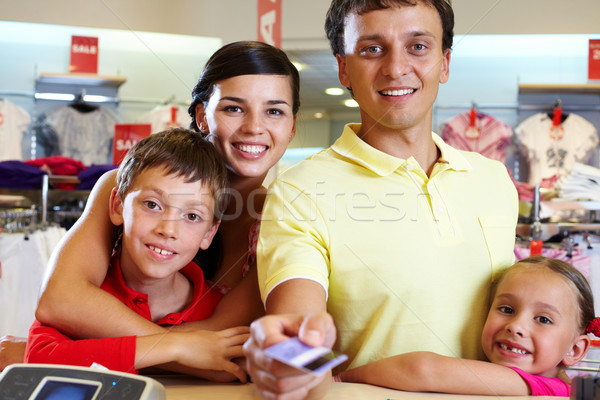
(81, 79)
(562, 205)
(546, 88)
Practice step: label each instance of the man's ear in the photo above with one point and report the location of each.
(115, 208)
(342, 74)
(578, 350)
(209, 235)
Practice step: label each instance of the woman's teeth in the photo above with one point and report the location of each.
(251, 148)
(160, 251)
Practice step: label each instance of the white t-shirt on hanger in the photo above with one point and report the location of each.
(549, 156)
(14, 124)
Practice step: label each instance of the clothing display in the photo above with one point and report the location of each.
(83, 136)
(491, 139)
(23, 259)
(14, 125)
(582, 182)
(390, 245)
(48, 345)
(544, 386)
(551, 154)
(167, 116)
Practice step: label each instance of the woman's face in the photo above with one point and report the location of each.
(250, 121)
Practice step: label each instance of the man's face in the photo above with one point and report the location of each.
(394, 63)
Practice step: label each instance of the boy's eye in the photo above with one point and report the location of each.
(193, 217)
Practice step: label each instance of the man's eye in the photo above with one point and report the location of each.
(150, 204)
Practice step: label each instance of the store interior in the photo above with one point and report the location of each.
(510, 61)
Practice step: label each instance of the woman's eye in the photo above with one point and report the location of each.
(274, 111)
(232, 109)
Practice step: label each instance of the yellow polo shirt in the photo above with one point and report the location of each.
(406, 259)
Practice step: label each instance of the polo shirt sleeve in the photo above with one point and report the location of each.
(293, 240)
(46, 345)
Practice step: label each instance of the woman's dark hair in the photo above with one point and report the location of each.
(243, 58)
(340, 9)
(585, 299)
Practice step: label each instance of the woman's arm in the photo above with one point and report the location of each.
(240, 306)
(430, 372)
(71, 299)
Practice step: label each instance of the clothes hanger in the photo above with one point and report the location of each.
(79, 104)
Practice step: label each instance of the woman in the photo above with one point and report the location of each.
(245, 102)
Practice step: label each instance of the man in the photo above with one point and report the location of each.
(390, 233)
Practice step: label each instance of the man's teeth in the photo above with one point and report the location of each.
(505, 347)
(252, 149)
(401, 92)
(160, 251)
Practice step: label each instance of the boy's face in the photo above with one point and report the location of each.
(394, 64)
(532, 323)
(165, 221)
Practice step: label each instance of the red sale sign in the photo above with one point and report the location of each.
(126, 136)
(84, 54)
(594, 59)
(269, 22)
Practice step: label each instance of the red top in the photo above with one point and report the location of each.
(47, 345)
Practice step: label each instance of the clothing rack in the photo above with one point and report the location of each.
(517, 107)
(106, 99)
(17, 219)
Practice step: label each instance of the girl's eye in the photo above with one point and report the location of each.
(505, 309)
(544, 320)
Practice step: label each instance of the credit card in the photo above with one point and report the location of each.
(314, 360)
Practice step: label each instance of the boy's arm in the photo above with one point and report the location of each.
(430, 372)
(71, 299)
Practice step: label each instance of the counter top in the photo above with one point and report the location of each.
(189, 388)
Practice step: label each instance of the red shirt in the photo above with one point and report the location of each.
(46, 344)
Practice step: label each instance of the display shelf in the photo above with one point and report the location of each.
(566, 205)
(81, 79)
(559, 89)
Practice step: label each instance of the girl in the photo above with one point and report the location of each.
(245, 102)
(541, 310)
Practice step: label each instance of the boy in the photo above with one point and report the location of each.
(168, 201)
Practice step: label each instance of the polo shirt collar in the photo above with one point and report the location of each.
(350, 146)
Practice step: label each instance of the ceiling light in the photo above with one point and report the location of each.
(351, 103)
(318, 115)
(298, 66)
(334, 91)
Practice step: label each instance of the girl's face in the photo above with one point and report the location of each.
(250, 120)
(533, 322)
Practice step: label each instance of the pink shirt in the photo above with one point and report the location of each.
(544, 386)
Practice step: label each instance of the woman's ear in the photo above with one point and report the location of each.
(578, 350)
(201, 119)
(115, 208)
